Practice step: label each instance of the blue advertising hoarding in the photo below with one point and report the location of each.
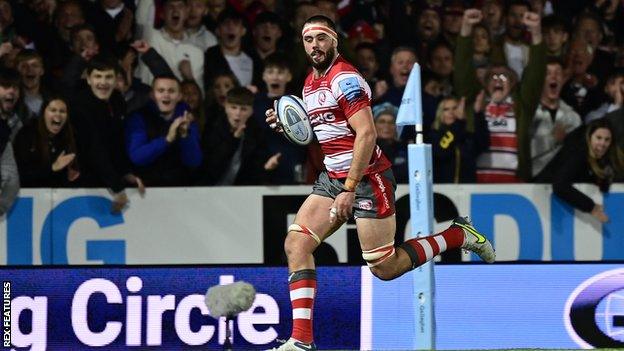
(477, 306)
(120, 308)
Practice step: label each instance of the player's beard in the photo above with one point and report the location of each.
(329, 58)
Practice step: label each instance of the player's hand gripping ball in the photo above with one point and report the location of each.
(293, 118)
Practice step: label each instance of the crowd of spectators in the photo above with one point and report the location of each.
(118, 93)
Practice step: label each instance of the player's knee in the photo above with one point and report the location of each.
(293, 246)
(384, 271)
(379, 261)
(298, 241)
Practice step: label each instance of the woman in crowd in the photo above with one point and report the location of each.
(590, 155)
(45, 150)
(455, 148)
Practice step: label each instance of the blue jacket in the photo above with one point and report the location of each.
(156, 161)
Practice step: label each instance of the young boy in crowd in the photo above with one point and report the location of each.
(276, 77)
(234, 150)
(97, 111)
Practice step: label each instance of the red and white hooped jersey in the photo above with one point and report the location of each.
(330, 101)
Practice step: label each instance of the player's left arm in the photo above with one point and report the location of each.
(365, 140)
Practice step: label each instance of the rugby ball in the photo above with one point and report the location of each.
(292, 115)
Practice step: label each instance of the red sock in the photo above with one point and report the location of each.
(425, 249)
(302, 285)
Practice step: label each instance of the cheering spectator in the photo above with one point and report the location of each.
(592, 157)
(267, 32)
(45, 149)
(387, 139)
(427, 27)
(590, 28)
(511, 104)
(401, 63)
(30, 68)
(229, 56)
(12, 109)
(136, 93)
(553, 120)
(429, 23)
(582, 90)
(172, 42)
(198, 34)
(276, 77)
(97, 111)
(162, 139)
(233, 148)
(455, 148)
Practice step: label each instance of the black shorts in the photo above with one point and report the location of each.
(374, 195)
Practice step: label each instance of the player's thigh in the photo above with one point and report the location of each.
(375, 232)
(314, 214)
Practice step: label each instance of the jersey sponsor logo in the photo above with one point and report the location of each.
(365, 205)
(322, 117)
(350, 88)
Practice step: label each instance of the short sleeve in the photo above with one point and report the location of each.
(351, 91)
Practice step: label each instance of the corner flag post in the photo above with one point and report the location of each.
(421, 209)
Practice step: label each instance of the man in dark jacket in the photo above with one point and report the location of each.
(97, 113)
(233, 147)
(162, 139)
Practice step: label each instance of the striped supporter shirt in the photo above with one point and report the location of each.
(500, 162)
(330, 101)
